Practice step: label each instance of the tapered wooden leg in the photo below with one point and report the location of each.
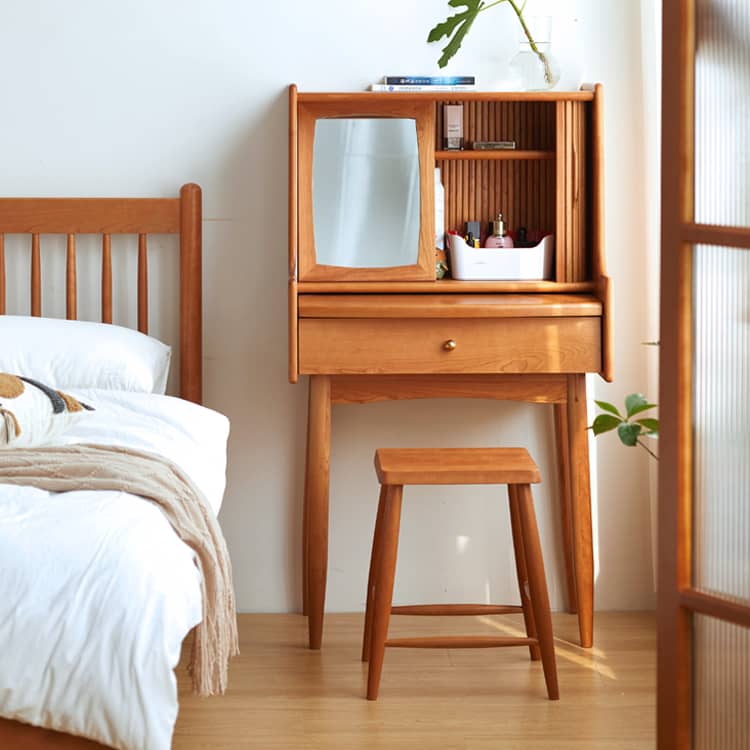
(384, 588)
(377, 543)
(306, 526)
(316, 503)
(583, 551)
(523, 580)
(538, 588)
(566, 522)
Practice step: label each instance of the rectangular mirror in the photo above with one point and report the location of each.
(366, 191)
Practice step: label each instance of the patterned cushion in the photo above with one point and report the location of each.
(33, 414)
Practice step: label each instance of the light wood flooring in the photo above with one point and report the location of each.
(282, 695)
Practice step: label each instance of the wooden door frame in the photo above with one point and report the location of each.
(674, 622)
(677, 599)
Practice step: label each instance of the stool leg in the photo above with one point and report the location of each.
(377, 544)
(384, 587)
(538, 586)
(523, 578)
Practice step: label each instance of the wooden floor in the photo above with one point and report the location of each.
(284, 696)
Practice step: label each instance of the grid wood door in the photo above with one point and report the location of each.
(704, 482)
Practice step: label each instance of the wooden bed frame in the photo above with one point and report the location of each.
(107, 217)
(112, 216)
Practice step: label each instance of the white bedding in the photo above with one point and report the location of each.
(96, 590)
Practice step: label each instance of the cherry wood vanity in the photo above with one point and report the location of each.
(370, 329)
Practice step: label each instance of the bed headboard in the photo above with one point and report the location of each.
(113, 216)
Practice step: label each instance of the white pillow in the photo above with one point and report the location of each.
(79, 354)
(32, 413)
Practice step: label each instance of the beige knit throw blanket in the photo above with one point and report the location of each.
(95, 467)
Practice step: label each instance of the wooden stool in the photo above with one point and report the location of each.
(511, 466)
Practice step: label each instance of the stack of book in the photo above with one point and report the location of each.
(425, 83)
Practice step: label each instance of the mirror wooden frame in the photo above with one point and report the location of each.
(309, 111)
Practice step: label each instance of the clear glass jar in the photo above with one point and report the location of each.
(535, 68)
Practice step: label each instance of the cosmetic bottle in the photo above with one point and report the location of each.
(473, 228)
(498, 238)
(453, 127)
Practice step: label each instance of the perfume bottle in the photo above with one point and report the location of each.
(498, 238)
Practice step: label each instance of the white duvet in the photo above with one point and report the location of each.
(96, 590)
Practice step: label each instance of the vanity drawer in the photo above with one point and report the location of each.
(358, 346)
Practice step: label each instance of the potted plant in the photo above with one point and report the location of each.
(535, 66)
(630, 430)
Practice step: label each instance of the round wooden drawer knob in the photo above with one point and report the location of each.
(449, 345)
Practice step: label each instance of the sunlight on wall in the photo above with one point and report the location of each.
(462, 542)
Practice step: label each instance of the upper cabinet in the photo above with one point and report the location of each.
(365, 190)
(363, 174)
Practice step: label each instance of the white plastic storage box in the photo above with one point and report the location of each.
(502, 263)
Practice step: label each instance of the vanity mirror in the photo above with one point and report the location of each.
(366, 202)
(365, 192)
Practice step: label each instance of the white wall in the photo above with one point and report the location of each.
(111, 98)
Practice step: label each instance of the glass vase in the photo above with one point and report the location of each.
(534, 67)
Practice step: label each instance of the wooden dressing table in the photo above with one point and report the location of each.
(365, 334)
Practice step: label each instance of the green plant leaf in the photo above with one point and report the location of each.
(604, 423)
(652, 425)
(639, 409)
(628, 433)
(636, 403)
(611, 408)
(456, 26)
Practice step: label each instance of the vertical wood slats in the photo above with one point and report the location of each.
(106, 278)
(530, 124)
(560, 179)
(71, 282)
(568, 237)
(36, 277)
(71, 279)
(142, 284)
(524, 191)
(2, 274)
(581, 250)
(570, 222)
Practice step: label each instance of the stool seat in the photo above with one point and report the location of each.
(455, 466)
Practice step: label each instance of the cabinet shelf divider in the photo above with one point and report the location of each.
(490, 155)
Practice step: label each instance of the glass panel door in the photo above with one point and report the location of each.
(721, 422)
(721, 685)
(704, 521)
(722, 112)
